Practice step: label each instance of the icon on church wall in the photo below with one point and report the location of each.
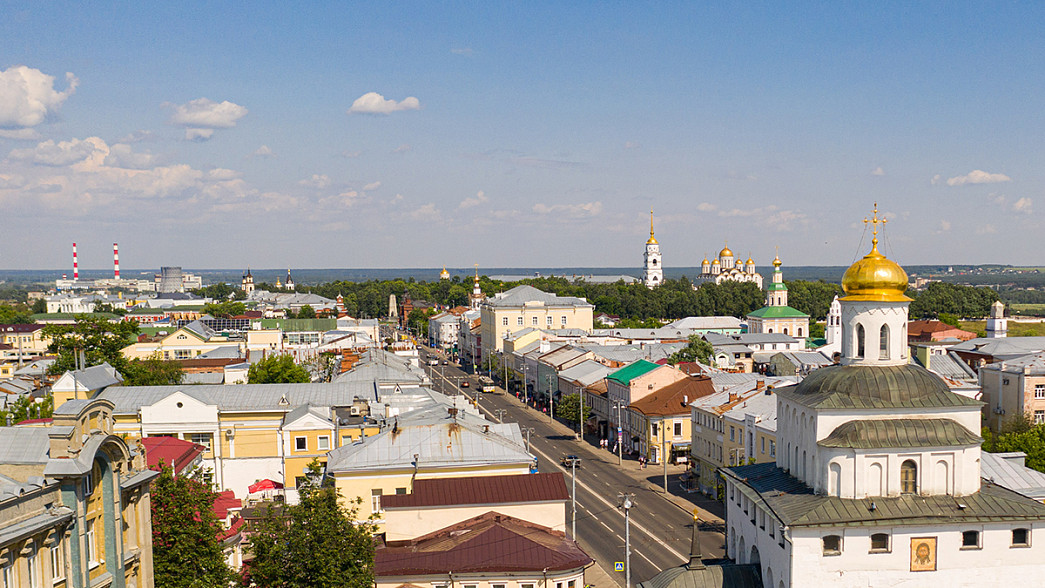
(923, 554)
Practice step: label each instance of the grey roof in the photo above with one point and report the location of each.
(1002, 348)
(222, 352)
(949, 365)
(586, 372)
(899, 433)
(36, 524)
(706, 322)
(1008, 470)
(36, 367)
(717, 339)
(870, 386)
(204, 378)
(130, 399)
(796, 505)
(378, 365)
(1032, 364)
(801, 358)
(561, 355)
(16, 386)
(303, 410)
(24, 445)
(520, 295)
(440, 441)
(658, 333)
(634, 352)
(11, 488)
(96, 377)
(200, 329)
(723, 380)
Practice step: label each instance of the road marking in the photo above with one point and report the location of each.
(605, 525)
(601, 499)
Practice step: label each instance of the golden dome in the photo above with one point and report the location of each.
(715, 262)
(875, 278)
(652, 239)
(725, 252)
(750, 261)
(777, 262)
(444, 275)
(705, 262)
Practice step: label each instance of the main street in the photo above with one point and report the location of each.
(660, 529)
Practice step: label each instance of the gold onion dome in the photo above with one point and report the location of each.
(875, 278)
(726, 252)
(750, 260)
(705, 262)
(652, 240)
(777, 262)
(715, 262)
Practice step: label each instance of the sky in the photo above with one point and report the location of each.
(423, 134)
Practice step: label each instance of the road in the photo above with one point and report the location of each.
(660, 530)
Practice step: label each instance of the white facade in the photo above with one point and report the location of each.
(997, 324)
(653, 274)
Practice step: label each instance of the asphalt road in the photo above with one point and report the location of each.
(661, 531)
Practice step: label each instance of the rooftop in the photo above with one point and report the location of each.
(481, 490)
(521, 295)
(674, 398)
(871, 387)
(629, 372)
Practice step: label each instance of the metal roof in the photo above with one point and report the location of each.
(92, 378)
(520, 295)
(629, 372)
(245, 397)
(706, 322)
(481, 490)
(585, 373)
(1008, 470)
(868, 386)
(796, 505)
(674, 398)
(772, 312)
(24, 445)
(724, 574)
(899, 433)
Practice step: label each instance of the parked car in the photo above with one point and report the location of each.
(465, 384)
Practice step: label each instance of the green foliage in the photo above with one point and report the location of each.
(185, 547)
(1018, 434)
(39, 306)
(306, 312)
(314, 543)
(961, 301)
(100, 340)
(949, 319)
(634, 323)
(26, 408)
(220, 292)
(16, 314)
(817, 330)
(226, 309)
(110, 309)
(812, 298)
(153, 371)
(418, 321)
(698, 350)
(277, 369)
(569, 408)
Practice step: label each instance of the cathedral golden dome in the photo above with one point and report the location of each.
(875, 278)
(715, 262)
(726, 252)
(652, 239)
(776, 262)
(750, 260)
(705, 262)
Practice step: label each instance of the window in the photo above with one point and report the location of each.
(1039, 417)
(1039, 391)
(1021, 537)
(203, 439)
(655, 429)
(498, 586)
(92, 548)
(859, 340)
(32, 567)
(57, 561)
(504, 321)
(908, 477)
(883, 343)
(832, 545)
(761, 519)
(182, 354)
(732, 433)
(562, 320)
(772, 448)
(533, 321)
(88, 484)
(300, 443)
(880, 543)
(324, 443)
(970, 539)
(519, 321)
(400, 490)
(763, 444)
(678, 429)
(1004, 381)
(548, 320)
(6, 574)
(526, 586)
(375, 500)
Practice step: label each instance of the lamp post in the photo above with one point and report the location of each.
(573, 494)
(528, 430)
(664, 457)
(551, 398)
(625, 503)
(620, 434)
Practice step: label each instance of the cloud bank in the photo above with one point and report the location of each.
(374, 103)
(27, 96)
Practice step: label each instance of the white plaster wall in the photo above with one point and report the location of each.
(997, 563)
(191, 412)
(774, 558)
(238, 473)
(872, 315)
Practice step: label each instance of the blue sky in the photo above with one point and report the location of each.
(507, 134)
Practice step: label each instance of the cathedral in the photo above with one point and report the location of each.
(776, 316)
(726, 267)
(877, 479)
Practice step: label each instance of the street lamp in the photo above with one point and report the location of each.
(528, 430)
(625, 503)
(573, 474)
(620, 433)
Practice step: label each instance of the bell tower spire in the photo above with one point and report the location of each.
(653, 273)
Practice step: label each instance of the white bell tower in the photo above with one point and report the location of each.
(653, 275)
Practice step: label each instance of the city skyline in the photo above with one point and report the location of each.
(517, 135)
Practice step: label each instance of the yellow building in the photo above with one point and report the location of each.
(74, 503)
(84, 384)
(25, 340)
(663, 418)
(192, 340)
(526, 306)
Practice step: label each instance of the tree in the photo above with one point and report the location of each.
(27, 408)
(226, 309)
(569, 408)
(306, 312)
(697, 350)
(17, 314)
(186, 550)
(315, 543)
(39, 306)
(277, 369)
(812, 298)
(153, 371)
(107, 308)
(1019, 433)
(100, 340)
(961, 301)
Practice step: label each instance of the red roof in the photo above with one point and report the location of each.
(35, 422)
(224, 502)
(172, 451)
(11, 328)
(491, 542)
(235, 527)
(481, 490)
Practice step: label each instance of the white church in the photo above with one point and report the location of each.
(653, 272)
(877, 479)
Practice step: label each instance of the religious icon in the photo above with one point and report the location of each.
(923, 554)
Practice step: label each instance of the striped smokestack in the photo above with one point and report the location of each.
(76, 264)
(116, 261)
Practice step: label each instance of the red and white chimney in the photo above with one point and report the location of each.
(76, 265)
(116, 261)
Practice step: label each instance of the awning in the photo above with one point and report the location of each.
(265, 484)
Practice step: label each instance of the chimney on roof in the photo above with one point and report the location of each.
(733, 397)
(759, 384)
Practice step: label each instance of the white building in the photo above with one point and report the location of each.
(727, 267)
(653, 274)
(997, 324)
(877, 479)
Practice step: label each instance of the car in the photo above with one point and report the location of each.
(465, 384)
(433, 362)
(567, 458)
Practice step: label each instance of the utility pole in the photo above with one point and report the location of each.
(500, 415)
(551, 398)
(625, 503)
(620, 436)
(580, 415)
(528, 430)
(573, 474)
(664, 456)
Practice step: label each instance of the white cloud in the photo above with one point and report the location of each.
(706, 207)
(20, 134)
(371, 186)
(351, 154)
(936, 179)
(11, 182)
(58, 154)
(121, 155)
(318, 181)
(878, 171)
(402, 148)
(374, 103)
(198, 135)
(585, 209)
(977, 176)
(137, 137)
(426, 212)
(986, 230)
(27, 96)
(1023, 205)
(221, 174)
(340, 201)
(461, 50)
(263, 152)
(631, 145)
(204, 113)
(480, 198)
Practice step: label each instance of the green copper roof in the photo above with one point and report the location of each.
(773, 286)
(629, 372)
(771, 312)
(899, 433)
(868, 386)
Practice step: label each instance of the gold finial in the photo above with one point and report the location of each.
(651, 222)
(477, 272)
(875, 221)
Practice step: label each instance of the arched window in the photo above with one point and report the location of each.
(770, 330)
(909, 477)
(785, 330)
(859, 340)
(883, 343)
(799, 331)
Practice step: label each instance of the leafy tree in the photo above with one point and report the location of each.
(698, 350)
(961, 301)
(569, 408)
(16, 314)
(26, 408)
(110, 309)
(227, 308)
(306, 312)
(277, 369)
(817, 330)
(185, 547)
(1018, 434)
(153, 371)
(314, 543)
(949, 319)
(100, 340)
(220, 291)
(39, 306)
